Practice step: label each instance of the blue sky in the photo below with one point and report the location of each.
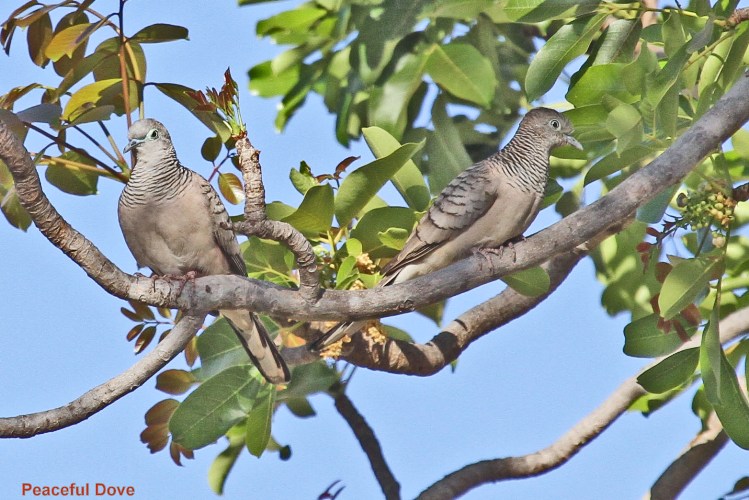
(514, 391)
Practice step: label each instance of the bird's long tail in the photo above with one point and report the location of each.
(258, 344)
(337, 333)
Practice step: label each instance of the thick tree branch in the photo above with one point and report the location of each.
(582, 433)
(397, 356)
(369, 443)
(700, 451)
(216, 292)
(100, 397)
(256, 222)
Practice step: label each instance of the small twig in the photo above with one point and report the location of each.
(96, 143)
(80, 151)
(256, 222)
(580, 435)
(369, 443)
(98, 398)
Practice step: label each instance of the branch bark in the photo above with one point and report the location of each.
(217, 292)
(98, 398)
(256, 222)
(369, 443)
(581, 434)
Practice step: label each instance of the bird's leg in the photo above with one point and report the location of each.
(486, 252)
(189, 276)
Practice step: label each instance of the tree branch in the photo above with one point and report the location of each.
(397, 356)
(217, 292)
(100, 397)
(582, 433)
(693, 459)
(256, 222)
(368, 441)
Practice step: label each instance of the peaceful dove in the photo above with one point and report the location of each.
(174, 223)
(487, 205)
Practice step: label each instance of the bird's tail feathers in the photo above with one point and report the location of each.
(259, 346)
(335, 334)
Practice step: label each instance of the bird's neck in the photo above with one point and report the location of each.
(526, 161)
(162, 176)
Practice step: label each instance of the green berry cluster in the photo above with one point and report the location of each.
(708, 206)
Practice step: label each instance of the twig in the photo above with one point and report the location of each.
(100, 397)
(257, 223)
(580, 435)
(369, 443)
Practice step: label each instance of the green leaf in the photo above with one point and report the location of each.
(619, 41)
(533, 11)
(259, 421)
(408, 180)
(643, 338)
(530, 282)
(652, 211)
(388, 103)
(216, 405)
(221, 466)
(463, 71)
(570, 41)
(598, 81)
(231, 187)
(362, 184)
(264, 82)
(268, 260)
(38, 37)
(625, 123)
(302, 179)
(41, 113)
(71, 179)
(394, 237)
(157, 33)
(687, 279)
(667, 76)
(300, 407)
(315, 213)
(379, 221)
(447, 155)
(219, 349)
(298, 20)
(614, 162)
(309, 379)
(670, 373)
(721, 385)
(90, 96)
(66, 41)
(467, 10)
(211, 148)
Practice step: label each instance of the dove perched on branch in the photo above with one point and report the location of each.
(174, 223)
(487, 205)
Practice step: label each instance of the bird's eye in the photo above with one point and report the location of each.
(153, 134)
(554, 124)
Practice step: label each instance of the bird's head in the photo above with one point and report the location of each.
(549, 127)
(148, 135)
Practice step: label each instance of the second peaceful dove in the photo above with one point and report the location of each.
(485, 206)
(174, 223)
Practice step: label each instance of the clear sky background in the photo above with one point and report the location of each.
(515, 391)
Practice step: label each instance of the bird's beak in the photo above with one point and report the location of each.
(132, 144)
(573, 142)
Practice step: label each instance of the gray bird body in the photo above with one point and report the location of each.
(174, 223)
(485, 206)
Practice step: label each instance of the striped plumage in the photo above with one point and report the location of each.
(485, 206)
(174, 223)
